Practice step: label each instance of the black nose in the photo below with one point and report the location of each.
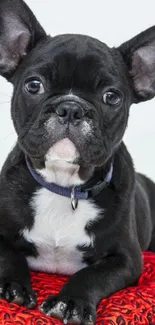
(70, 111)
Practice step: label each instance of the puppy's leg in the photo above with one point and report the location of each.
(76, 302)
(15, 283)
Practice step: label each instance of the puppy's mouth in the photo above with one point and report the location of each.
(63, 150)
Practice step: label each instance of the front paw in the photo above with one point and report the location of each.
(17, 293)
(69, 309)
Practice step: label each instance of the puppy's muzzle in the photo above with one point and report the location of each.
(70, 112)
(72, 109)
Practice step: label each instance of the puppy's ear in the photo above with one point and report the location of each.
(19, 33)
(139, 55)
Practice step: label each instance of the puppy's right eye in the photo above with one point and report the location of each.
(34, 87)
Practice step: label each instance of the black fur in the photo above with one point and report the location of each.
(89, 68)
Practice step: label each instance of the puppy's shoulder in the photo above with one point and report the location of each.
(124, 174)
(15, 179)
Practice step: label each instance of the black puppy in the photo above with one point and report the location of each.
(70, 200)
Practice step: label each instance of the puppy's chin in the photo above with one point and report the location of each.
(64, 150)
(61, 165)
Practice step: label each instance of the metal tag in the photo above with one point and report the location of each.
(74, 201)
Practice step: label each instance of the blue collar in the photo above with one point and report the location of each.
(75, 192)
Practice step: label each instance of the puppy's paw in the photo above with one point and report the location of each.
(18, 294)
(69, 309)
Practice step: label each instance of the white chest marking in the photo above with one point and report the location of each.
(57, 231)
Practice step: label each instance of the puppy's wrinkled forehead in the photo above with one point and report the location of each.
(75, 61)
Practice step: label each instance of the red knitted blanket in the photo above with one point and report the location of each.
(132, 306)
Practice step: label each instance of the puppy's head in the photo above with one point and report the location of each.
(72, 93)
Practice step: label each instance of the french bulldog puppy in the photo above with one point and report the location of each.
(70, 199)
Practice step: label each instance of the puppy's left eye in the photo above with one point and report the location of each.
(34, 87)
(112, 98)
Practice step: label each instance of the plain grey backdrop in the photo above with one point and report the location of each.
(113, 22)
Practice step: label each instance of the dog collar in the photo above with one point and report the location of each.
(75, 193)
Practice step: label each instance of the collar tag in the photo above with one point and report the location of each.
(74, 201)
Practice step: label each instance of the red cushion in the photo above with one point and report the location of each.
(131, 306)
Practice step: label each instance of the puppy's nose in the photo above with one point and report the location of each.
(69, 111)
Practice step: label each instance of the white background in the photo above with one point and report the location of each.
(113, 22)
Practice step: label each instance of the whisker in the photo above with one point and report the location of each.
(9, 135)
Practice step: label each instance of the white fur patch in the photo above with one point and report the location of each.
(63, 149)
(61, 173)
(57, 231)
(59, 169)
(85, 128)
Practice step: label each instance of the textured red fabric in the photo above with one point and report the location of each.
(132, 306)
